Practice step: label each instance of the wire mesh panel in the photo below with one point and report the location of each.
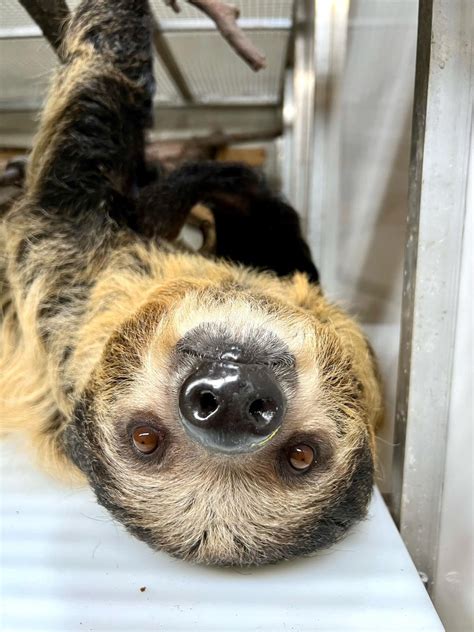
(252, 9)
(13, 16)
(215, 74)
(26, 67)
(165, 89)
(211, 71)
(249, 9)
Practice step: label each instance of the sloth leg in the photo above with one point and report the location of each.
(253, 226)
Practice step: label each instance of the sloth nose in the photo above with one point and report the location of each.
(231, 407)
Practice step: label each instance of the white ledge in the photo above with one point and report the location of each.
(67, 566)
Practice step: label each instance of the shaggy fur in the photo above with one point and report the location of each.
(97, 302)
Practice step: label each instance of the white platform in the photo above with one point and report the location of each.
(67, 566)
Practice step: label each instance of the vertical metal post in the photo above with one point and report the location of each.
(331, 26)
(313, 182)
(286, 145)
(442, 121)
(303, 107)
(164, 52)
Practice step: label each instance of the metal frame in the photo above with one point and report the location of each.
(50, 16)
(312, 119)
(236, 123)
(164, 52)
(285, 144)
(437, 201)
(169, 26)
(331, 26)
(300, 112)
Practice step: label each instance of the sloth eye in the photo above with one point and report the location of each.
(146, 439)
(301, 457)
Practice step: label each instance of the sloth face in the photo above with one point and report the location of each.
(230, 422)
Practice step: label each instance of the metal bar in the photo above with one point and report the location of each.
(246, 24)
(312, 178)
(286, 143)
(21, 32)
(331, 24)
(50, 16)
(302, 108)
(17, 128)
(21, 105)
(437, 202)
(167, 26)
(165, 53)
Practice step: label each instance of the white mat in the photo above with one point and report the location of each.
(67, 566)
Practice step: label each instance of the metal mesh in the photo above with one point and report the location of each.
(25, 71)
(215, 73)
(212, 70)
(26, 67)
(165, 88)
(252, 9)
(13, 15)
(257, 9)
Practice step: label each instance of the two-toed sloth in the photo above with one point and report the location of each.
(221, 412)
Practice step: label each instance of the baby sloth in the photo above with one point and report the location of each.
(221, 408)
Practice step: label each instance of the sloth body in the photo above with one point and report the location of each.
(105, 318)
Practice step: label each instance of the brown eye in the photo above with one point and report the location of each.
(146, 439)
(301, 457)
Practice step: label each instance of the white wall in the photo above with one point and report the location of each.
(377, 101)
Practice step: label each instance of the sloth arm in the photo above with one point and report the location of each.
(75, 213)
(78, 202)
(90, 142)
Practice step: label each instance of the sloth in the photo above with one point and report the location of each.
(220, 407)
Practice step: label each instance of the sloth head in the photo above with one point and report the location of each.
(230, 419)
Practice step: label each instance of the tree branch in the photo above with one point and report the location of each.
(225, 18)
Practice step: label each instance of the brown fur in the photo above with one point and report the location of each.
(88, 341)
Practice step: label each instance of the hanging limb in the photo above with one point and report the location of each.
(50, 16)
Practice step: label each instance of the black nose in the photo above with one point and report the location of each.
(231, 407)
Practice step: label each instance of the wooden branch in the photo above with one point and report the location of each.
(50, 16)
(225, 18)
